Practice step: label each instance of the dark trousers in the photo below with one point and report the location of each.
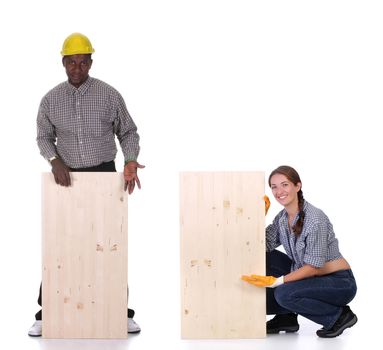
(277, 264)
(320, 298)
(104, 167)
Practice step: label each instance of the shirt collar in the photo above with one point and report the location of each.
(82, 88)
(286, 216)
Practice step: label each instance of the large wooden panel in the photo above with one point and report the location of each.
(84, 247)
(222, 217)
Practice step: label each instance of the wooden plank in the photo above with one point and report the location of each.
(222, 217)
(84, 254)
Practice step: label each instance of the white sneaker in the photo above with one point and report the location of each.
(36, 330)
(133, 327)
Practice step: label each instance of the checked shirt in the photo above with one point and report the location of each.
(315, 245)
(80, 125)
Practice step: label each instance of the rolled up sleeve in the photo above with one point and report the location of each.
(272, 236)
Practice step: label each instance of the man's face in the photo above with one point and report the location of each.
(77, 68)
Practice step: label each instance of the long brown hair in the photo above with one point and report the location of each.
(293, 176)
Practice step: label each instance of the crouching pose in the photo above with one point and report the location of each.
(313, 279)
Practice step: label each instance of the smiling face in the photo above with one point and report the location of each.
(284, 191)
(77, 68)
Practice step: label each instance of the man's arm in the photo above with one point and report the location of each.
(46, 141)
(46, 135)
(126, 132)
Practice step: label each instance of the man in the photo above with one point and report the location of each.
(76, 127)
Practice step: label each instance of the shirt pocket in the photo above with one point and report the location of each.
(300, 248)
(99, 123)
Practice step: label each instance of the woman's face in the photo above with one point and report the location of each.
(284, 191)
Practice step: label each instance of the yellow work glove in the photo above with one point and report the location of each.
(263, 281)
(267, 203)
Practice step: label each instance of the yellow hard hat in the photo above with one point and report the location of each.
(77, 44)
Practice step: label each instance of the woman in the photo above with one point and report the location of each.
(313, 279)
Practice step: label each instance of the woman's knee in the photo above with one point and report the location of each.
(277, 263)
(284, 296)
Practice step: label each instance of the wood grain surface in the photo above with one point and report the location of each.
(222, 217)
(84, 255)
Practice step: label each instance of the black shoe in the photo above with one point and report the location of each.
(346, 320)
(282, 323)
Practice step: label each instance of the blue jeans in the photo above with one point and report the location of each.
(320, 298)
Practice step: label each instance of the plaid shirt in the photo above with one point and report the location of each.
(79, 125)
(314, 246)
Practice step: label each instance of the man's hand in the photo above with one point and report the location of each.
(264, 281)
(61, 172)
(267, 203)
(130, 175)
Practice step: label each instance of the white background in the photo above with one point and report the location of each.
(212, 85)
